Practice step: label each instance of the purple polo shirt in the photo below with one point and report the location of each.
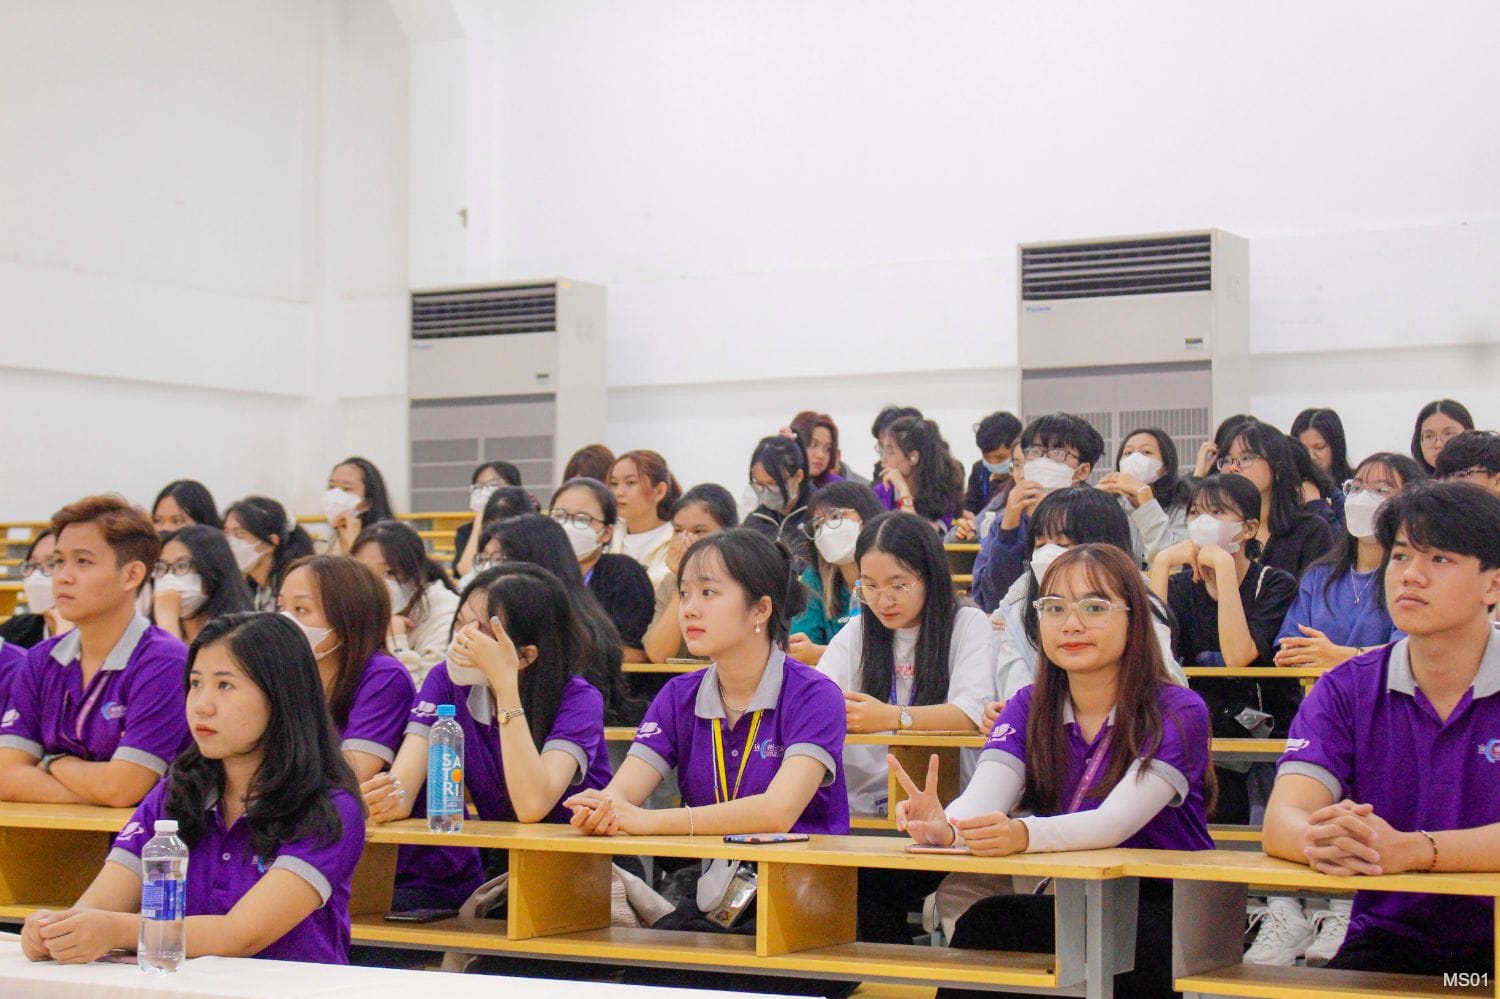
(577, 729)
(1181, 758)
(12, 660)
(382, 701)
(1367, 732)
(132, 710)
(223, 867)
(802, 714)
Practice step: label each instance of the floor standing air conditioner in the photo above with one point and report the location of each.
(513, 372)
(1137, 331)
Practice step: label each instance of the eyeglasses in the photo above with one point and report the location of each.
(579, 520)
(1353, 487)
(181, 567)
(868, 593)
(1464, 473)
(1093, 612)
(812, 528)
(45, 568)
(1434, 436)
(483, 562)
(1059, 454)
(1244, 461)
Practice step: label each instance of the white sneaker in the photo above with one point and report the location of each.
(1331, 927)
(1283, 938)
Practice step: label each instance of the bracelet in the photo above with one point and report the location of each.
(689, 810)
(1432, 843)
(958, 837)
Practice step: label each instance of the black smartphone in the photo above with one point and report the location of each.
(420, 915)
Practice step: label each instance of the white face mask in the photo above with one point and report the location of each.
(583, 540)
(464, 581)
(1206, 529)
(191, 588)
(245, 555)
(768, 497)
(400, 595)
(464, 676)
(1141, 467)
(1042, 559)
(314, 635)
(39, 596)
(836, 544)
(1359, 514)
(479, 496)
(338, 501)
(1049, 474)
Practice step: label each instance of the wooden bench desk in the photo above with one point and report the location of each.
(10, 594)
(1307, 674)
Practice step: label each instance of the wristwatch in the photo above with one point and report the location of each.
(509, 713)
(905, 720)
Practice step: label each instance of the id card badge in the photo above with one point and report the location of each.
(882, 805)
(714, 882)
(737, 898)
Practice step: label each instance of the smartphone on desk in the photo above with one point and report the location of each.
(420, 915)
(927, 848)
(767, 838)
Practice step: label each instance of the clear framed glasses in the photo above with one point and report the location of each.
(869, 594)
(483, 562)
(1439, 436)
(45, 568)
(1094, 612)
(579, 519)
(1464, 473)
(181, 567)
(1353, 487)
(1058, 454)
(812, 528)
(1240, 464)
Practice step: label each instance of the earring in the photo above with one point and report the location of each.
(757, 629)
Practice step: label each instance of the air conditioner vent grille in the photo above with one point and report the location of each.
(438, 315)
(1120, 267)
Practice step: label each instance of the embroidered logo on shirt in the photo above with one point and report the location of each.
(1003, 732)
(11, 717)
(647, 730)
(113, 710)
(1490, 750)
(425, 709)
(1292, 745)
(131, 830)
(261, 865)
(768, 750)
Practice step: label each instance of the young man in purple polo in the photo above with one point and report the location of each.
(96, 714)
(1393, 762)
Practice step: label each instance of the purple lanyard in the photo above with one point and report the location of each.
(91, 698)
(912, 696)
(1090, 771)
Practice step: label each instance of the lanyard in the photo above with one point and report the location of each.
(911, 696)
(721, 781)
(1091, 769)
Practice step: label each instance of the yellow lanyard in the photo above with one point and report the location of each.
(722, 784)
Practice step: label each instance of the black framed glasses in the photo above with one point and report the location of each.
(181, 567)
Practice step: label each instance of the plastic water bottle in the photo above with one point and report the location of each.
(445, 773)
(164, 864)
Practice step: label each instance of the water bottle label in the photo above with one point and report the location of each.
(164, 898)
(445, 781)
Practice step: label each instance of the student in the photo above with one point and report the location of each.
(919, 475)
(1060, 450)
(586, 510)
(1322, 433)
(264, 541)
(1473, 456)
(1064, 519)
(996, 436)
(356, 498)
(1339, 613)
(1291, 538)
(344, 611)
(1148, 487)
(1230, 625)
(879, 430)
(591, 462)
(533, 726)
(196, 581)
(12, 661)
(1437, 424)
(422, 599)
(182, 503)
(703, 510)
(1350, 799)
(781, 488)
(263, 801)
(819, 437)
(1321, 496)
(503, 504)
(645, 491)
(1102, 705)
(96, 714)
(541, 541)
(487, 480)
(781, 720)
(834, 520)
(41, 620)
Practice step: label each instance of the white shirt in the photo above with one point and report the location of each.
(971, 659)
(649, 548)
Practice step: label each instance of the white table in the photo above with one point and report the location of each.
(247, 978)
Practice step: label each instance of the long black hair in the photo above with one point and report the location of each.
(782, 458)
(1344, 554)
(1168, 488)
(376, 495)
(1456, 411)
(1082, 514)
(844, 495)
(407, 559)
(761, 567)
(542, 541)
(289, 797)
(938, 481)
(1224, 493)
(194, 499)
(715, 501)
(507, 501)
(1275, 448)
(267, 519)
(912, 542)
(1328, 425)
(224, 589)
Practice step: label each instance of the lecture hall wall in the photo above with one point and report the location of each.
(209, 217)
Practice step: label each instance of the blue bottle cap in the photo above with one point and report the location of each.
(446, 711)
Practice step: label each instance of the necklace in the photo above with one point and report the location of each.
(1359, 594)
(731, 707)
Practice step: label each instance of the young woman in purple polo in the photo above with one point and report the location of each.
(263, 799)
(1393, 760)
(1104, 750)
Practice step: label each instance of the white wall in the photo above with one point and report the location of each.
(202, 246)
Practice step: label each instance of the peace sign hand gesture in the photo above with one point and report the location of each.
(921, 815)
